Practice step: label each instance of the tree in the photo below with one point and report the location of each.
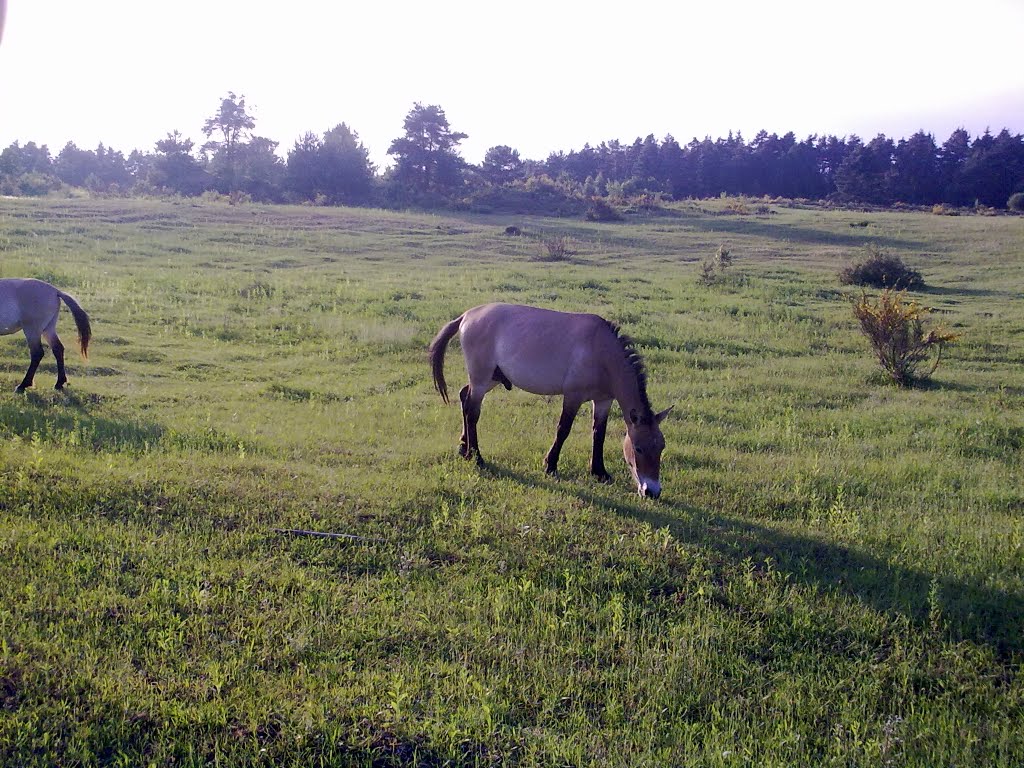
(175, 169)
(867, 172)
(916, 169)
(952, 159)
(27, 170)
(501, 165)
(233, 124)
(348, 172)
(995, 168)
(73, 165)
(337, 167)
(646, 162)
(426, 154)
(259, 171)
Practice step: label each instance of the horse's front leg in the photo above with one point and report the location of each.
(601, 410)
(569, 410)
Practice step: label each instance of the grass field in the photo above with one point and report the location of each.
(834, 574)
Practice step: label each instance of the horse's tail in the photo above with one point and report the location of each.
(82, 321)
(437, 350)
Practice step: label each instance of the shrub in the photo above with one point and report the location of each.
(713, 269)
(601, 210)
(895, 329)
(36, 184)
(880, 270)
(1016, 202)
(554, 249)
(941, 209)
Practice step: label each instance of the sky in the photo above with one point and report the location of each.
(539, 77)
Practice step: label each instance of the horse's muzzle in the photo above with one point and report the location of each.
(650, 489)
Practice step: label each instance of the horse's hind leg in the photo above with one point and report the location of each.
(35, 348)
(58, 352)
(464, 440)
(471, 401)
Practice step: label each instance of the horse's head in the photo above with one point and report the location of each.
(642, 448)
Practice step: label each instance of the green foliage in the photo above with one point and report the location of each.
(1016, 202)
(895, 329)
(881, 270)
(33, 185)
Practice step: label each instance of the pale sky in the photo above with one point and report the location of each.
(537, 76)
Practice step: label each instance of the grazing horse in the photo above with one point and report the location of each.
(33, 306)
(579, 356)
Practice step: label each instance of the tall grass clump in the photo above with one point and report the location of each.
(880, 270)
(895, 329)
(714, 269)
(555, 248)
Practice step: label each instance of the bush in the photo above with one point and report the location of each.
(880, 270)
(713, 270)
(36, 184)
(1016, 202)
(601, 210)
(556, 248)
(895, 329)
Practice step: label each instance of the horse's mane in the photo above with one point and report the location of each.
(636, 363)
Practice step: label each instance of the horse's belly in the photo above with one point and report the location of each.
(10, 319)
(534, 381)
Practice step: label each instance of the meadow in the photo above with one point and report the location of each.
(833, 575)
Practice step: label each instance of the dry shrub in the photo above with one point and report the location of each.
(895, 329)
(556, 248)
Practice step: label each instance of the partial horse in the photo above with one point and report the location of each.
(579, 356)
(33, 306)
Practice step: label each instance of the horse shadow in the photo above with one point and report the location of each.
(62, 416)
(970, 609)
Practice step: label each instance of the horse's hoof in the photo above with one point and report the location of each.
(604, 478)
(551, 471)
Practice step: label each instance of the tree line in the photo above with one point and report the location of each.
(334, 168)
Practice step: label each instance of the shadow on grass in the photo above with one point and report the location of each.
(936, 290)
(750, 226)
(64, 418)
(970, 610)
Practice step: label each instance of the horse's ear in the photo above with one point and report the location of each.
(633, 416)
(658, 418)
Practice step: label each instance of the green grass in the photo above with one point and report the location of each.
(834, 574)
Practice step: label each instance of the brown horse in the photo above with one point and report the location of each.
(579, 356)
(33, 306)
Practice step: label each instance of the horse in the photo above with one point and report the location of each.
(33, 306)
(579, 356)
